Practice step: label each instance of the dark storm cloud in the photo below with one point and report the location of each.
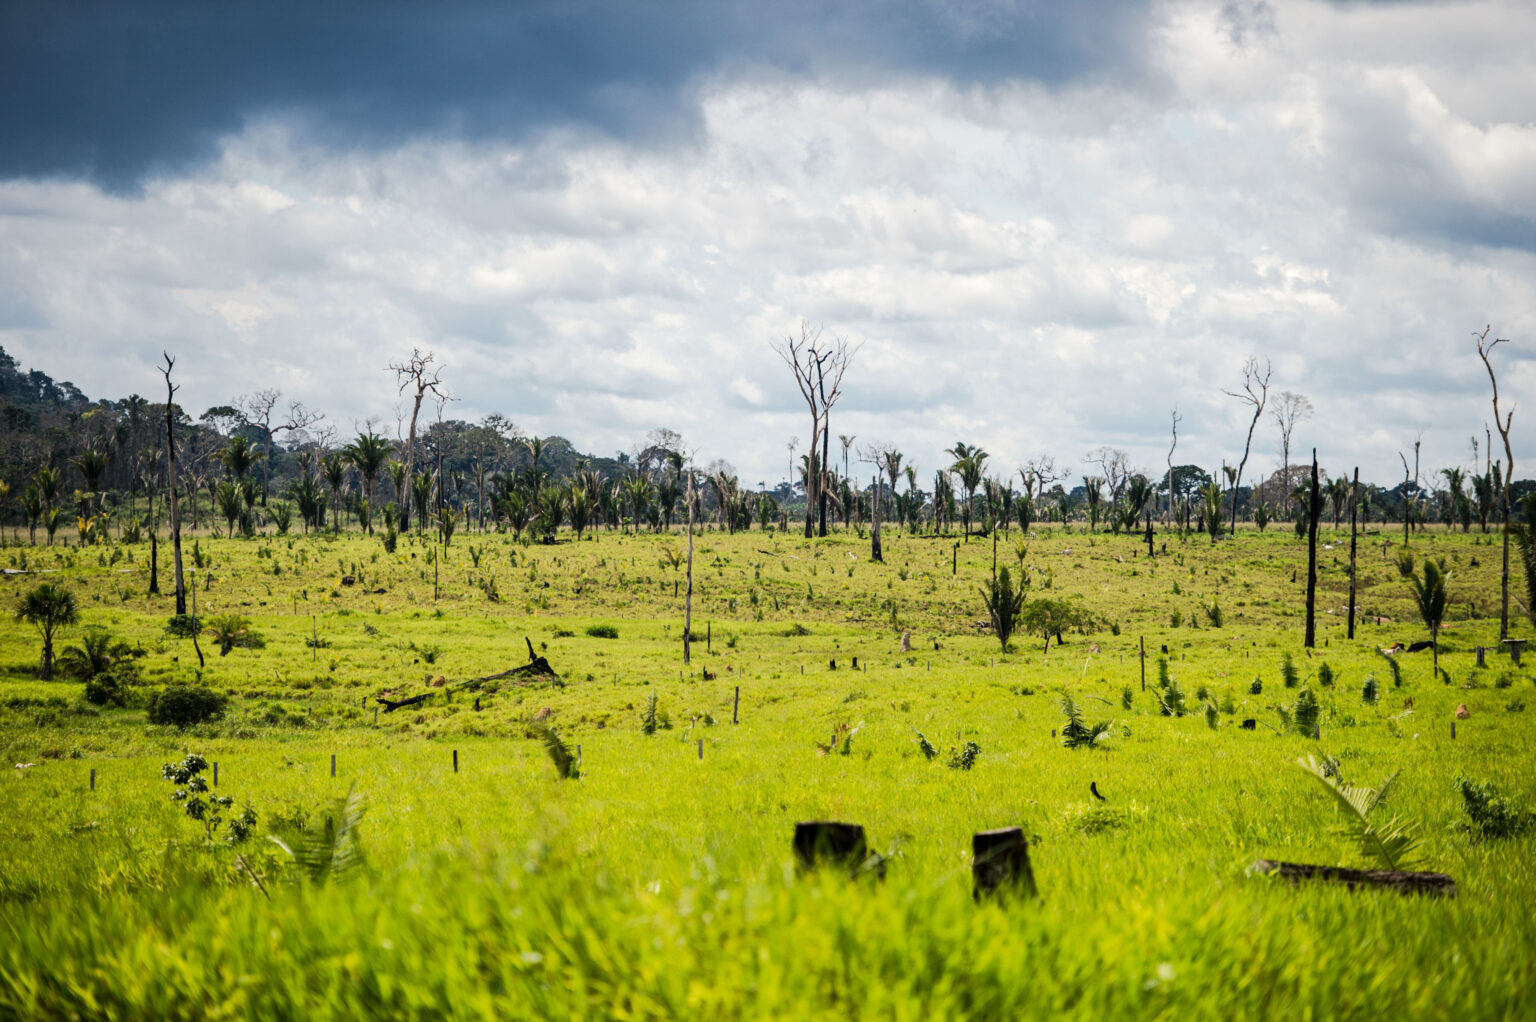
(116, 92)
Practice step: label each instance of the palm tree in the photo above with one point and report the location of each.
(1525, 541)
(96, 654)
(47, 481)
(637, 493)
(48, 608)
(227, 497)
(1093, 489)
(1338, 495)
(239, 456)
(92, 465)
(228, 630)
(368, 453)
(402, 495)
(891, 462)
(968, 469)
(1005, 604)
(514, 509)
(421, 492)
(1211, 494)
(579, 509)
(333, 468)
(1431, 595)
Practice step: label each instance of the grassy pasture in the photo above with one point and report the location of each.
(661, 884)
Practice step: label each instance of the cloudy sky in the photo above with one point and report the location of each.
(1046, 225)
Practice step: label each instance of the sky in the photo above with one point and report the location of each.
(1044, 227)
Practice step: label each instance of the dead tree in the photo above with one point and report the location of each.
(1171, 445)
(417, 372)
(258, 408)
(1255, 392)
(1290, 408)
(818, 370)
(1485, 349)
(170, 453)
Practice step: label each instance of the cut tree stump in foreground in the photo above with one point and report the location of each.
(1402, 881)
(1000, 862)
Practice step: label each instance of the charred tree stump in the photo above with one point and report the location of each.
(391, 705)
(1000, 862)
(1402, 881)
(824, 841)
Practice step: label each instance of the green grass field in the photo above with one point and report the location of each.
(661, 884)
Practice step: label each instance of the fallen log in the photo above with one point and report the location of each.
(391, 705)
(1402, 881)
(536, 668)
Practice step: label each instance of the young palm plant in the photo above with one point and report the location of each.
(1005, 604)
(1393, 844)
(1430, 593)
(1077, 735)
(48, 608)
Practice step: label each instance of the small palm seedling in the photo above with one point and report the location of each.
(841, 741)
(1397, 668)
(925, 746)
(1303, 716)
(333, 851)
(567, 766)
(96, 653)
(650, 720)
(1171, 700)
(1212, 716)
(1288, 672)
(1370, 691)
(1430, 594)
(1075, 734)
(1392, 843)
(229, 631)
(1004, 604)
(209, 810)
(1325, 676)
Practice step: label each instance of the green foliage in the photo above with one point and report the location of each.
(1391, 844)
(231, 630)
(964, 757)
(1288, 672)
(1212, 716)
(1492, 815)
(1077, 735)
(925, 746)
(1325, 675)
(1304, 714)
(1524, 534)
(48, 608)
(331, 850)
(648, 720)
(193, 794)
(1127, 696)
(1213, 613)
(107, 689)
(1430, 592)
(1396, 668)
(1004, 604)
(97, 652)
(566, 765)
(603, 631)
(1171, 700)
(185, 705)
(1370, 691)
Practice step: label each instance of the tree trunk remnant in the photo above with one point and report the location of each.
(1402, 881)
(1000, 862)
(170, 453)
(1354, 506)
(1314, 511)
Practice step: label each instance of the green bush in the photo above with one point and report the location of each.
(184, 705)
(1493, 815)
(106, 689)
(603, 632)
(181, 626)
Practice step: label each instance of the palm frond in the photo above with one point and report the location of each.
(1392, 843)
(560, 754)
(334, 851)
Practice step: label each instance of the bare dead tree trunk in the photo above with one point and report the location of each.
(1314, 512)
(1252, 379)
(1174, 443)
(1502, 425)
(418, 371)
(1354, 506)
(874, 552)
(170, 452)
(688, 594)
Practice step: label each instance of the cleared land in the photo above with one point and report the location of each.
(661, 884)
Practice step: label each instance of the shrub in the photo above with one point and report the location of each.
(181, 626)
(1492, 815)
(1370, 691)
(1305, 713)
(603, 631)
(106, 689)
(184, 705)
(1288, 672)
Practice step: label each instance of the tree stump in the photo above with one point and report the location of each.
(1402, 881)
(825, 841)
(1000, 862)
(1251, 724)
(1516, 647)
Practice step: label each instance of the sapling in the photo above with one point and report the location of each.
(1391, 844)
(209, 810)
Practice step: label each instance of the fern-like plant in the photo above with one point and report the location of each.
(1075, 734)
(1305, 713)
(1005, 605)
(1397, 669)
(648, 722)
(333, 851)
(1171, 700)
(1391, 844)
(1288, 672)
(1370, 691)
(925, 746)
(566, 765)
